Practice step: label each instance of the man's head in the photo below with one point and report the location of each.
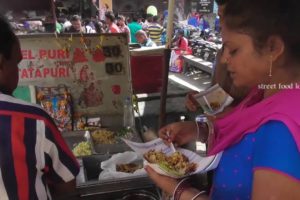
(109, 17)
(149, 17)
(180, 33)
(141, 36)
(134, 18)
(76, 22)
(155, 19)
(10, 56)
(121, 20)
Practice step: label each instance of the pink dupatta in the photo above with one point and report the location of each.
(253, 112)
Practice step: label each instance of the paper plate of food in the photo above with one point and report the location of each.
(213, 100)
(178, 164)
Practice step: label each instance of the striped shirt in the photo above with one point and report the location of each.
(33, 153)
(155, 31)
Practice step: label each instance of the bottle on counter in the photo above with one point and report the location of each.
(128, 115)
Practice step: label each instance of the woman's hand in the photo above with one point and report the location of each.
(179, 133)
(167, 184)
(190, 102)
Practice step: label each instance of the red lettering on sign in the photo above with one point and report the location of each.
(31, 72)
(30, 55)
(35, 73)
(24, 74)
(27, 55)
(61, 54)
(43, 53)
(38, 73)
(24, 54)
(51, 54)
(98, 55)
(78, 56)
(54, 72)
(46, 72)
(62, 72)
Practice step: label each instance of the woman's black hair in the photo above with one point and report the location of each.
(264, 18)
(221, 2)
(110, 15)
(7, 38)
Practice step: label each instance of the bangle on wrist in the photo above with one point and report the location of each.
(180, 188)
(197, 195)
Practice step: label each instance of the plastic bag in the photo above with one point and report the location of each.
(176, 62)
(109, 166)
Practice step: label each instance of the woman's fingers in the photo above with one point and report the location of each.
(151, 172)
(190, 106)
(165, 183)
(190, 102)
(166, 134)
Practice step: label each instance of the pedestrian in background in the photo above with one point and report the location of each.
(121, 21)
(155, 31)
(134, 27)
(142, 38)
(110, 21)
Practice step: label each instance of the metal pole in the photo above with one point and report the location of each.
(170, 27)
(167, 53)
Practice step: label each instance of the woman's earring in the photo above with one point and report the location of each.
(271, 66)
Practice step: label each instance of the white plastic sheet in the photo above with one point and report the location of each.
(109, 166)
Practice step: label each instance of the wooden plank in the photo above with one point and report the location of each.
(199, 63)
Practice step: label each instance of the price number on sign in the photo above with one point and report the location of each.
(111, 51)
(114, 68)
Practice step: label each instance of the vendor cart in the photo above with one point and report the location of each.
(93, 70)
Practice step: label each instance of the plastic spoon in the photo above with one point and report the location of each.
(171, 144)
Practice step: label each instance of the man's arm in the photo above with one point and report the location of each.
(63, 191)
(61, 166)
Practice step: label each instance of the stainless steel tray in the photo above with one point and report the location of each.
(75, 137)
(114, 189)
(117, 147)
